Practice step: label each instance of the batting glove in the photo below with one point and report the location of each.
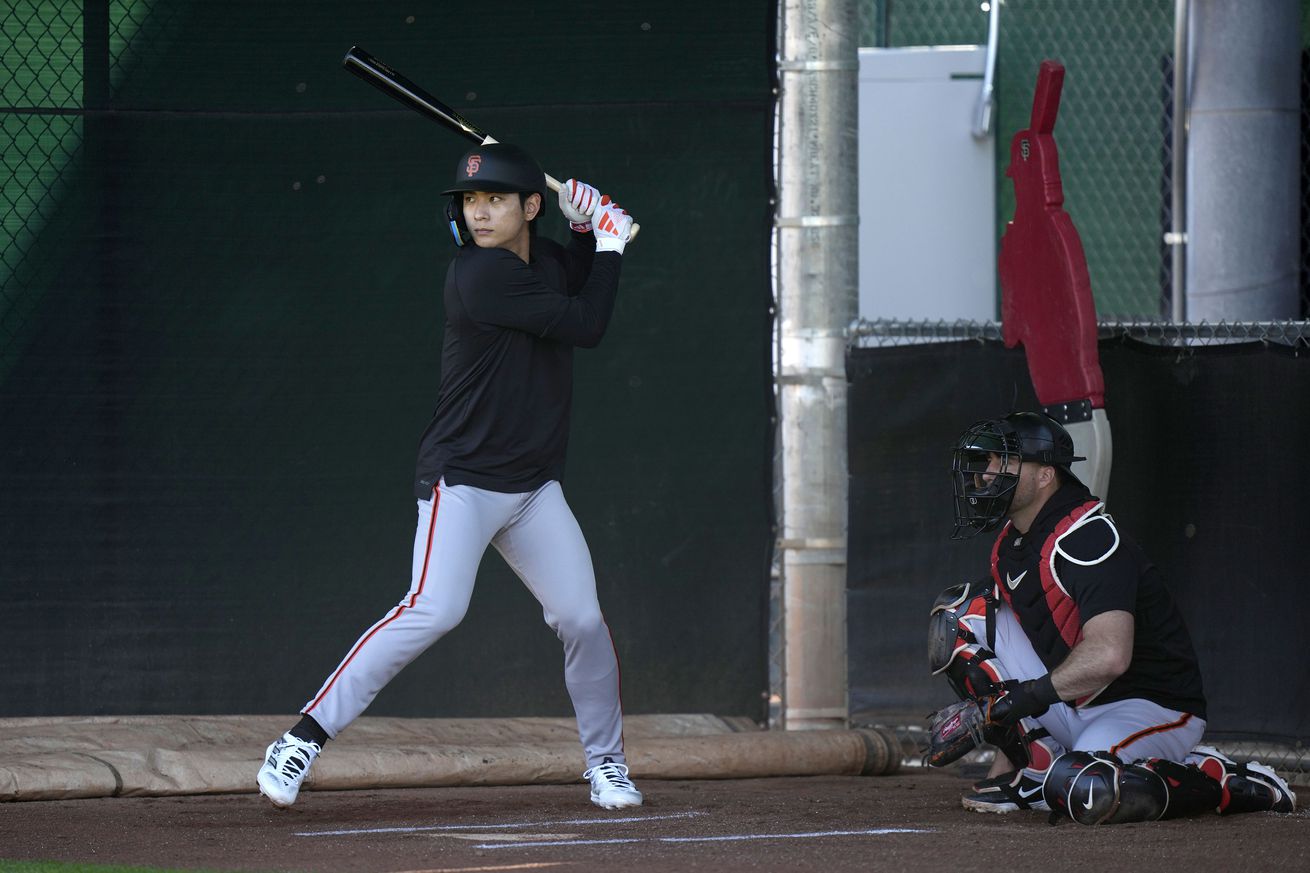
(578, 200)
(1022, 700)
(611, 225)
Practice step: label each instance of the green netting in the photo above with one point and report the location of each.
(1112, 130)
(221, 337)
(41, 54)
(46, 78)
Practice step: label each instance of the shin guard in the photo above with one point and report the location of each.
(1097, 788)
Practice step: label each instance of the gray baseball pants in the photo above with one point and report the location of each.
(1133, 729)
(539, 538)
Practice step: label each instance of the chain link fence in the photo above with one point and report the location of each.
(1114, 131)
(1116, 154)
(40, 104)
(889, 332)
(58, 59)
(140, 33)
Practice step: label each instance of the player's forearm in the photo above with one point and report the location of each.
(579, 255)
(586, 317)
(1092, 665)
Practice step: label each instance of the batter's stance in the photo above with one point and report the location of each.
(490, 462)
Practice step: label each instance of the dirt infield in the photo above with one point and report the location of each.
(908, 823)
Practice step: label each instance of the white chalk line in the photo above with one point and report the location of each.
(813, 835)
(536, 865)
(467, 827)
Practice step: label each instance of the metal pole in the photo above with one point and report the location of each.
(816, 230)
(1177, 236)
(982, 122)
(1243, 148)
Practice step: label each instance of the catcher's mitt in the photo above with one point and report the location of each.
(955, 731)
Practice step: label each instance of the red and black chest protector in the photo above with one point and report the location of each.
(1030, 585)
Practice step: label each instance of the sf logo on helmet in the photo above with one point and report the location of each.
(474, 163)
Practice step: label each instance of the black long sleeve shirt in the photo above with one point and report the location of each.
(502, 416)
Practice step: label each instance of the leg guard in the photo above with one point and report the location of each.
(958, 628)
(1030, 749)
(1244, 787)
(1097, 788)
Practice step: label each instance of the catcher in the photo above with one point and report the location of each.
(1071, 657)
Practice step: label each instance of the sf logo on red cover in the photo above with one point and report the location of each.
(474, 163)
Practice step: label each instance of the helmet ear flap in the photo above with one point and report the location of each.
(455, 221)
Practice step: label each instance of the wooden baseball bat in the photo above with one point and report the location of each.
(393, 84)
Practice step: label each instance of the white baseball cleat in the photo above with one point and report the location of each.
(286, 764)
(1249, 787)
(610, 786)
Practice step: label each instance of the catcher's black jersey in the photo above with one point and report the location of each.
(502, 416)
(1164, 667)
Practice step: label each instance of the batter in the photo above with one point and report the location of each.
(491, 461)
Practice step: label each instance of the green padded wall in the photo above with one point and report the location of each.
(222, 333)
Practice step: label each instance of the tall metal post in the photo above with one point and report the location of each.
(1176, 238)
(818, 292)
(1243, 145)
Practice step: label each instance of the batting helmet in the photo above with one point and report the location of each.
(983, 495)
(496, 166)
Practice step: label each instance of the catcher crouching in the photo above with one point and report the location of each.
(1070, 657)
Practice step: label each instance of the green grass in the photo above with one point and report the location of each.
(77, 867)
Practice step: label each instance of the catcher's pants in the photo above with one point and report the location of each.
(539, 538)
(1133, 729)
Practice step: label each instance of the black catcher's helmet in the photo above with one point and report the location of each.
(496, 166)
(982, 502)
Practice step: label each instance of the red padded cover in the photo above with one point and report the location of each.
(1046, 295)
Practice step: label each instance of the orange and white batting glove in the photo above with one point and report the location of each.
(612, 226)
(578, 200)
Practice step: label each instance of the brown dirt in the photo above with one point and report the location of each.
(242, 832)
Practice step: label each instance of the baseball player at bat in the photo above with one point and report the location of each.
(1070, 656)
(491, 461)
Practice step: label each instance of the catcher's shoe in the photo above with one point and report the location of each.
(1248, 787)
(1009, 792)
(610, 786)
(286, 763)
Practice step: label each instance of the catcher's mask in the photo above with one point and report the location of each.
(494, 166)
(988, 457)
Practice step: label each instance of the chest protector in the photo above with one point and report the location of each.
(1049, 614)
